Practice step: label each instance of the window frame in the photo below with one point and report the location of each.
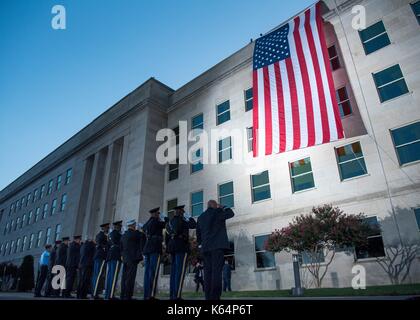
(249, 99)
(370, 237)
(301, 174)
(196, 127)
(250, 140)
(389, 83)
(172, 170)
(219, 114)
(262, 251)
(416, 15)
(226, 195)
(355, 159)
(63, 204)
(336, 57)
(405, 144)
(339, 103)
(68, 177)
(191, 202)
(252, 187)
(200, 161)
(374, 37)
(220, 151)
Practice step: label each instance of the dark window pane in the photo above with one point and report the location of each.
(303, 182)
(227, 201)
(225, 155)
(376, 43)
(372, 31)
(345, 108)
(224, 143)
(260, 242)
(416, 10)
(409, 153)
(226, 188)
(248, 99)
(260, 179)
(196, 167)
(406, 134)
(417, 214)
(248, 94)
(374, 248)
(388, 75)
(348, 152)
(197, 122)
(197, 197)
(353, 169)
(223, 107)
(223, 117)
(332, 52)
(392, 90)
(265, 260)
(300, 166)
(261, 193)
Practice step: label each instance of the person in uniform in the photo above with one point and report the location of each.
(42, 271)
(227, 276)
(72, 263)
(113, 260)
(152, 252)
(53, 256)
(132, 243)
(62, 255)
(87, 251)
(213, 239)
(99, 259)
(178, 246)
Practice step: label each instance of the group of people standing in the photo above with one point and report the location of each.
(113, 250)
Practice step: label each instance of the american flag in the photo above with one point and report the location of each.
(294, 104)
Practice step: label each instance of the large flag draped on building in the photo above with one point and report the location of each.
(295, 105)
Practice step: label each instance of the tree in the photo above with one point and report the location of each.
(318, 235)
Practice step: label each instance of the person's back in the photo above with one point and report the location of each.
(131, 246)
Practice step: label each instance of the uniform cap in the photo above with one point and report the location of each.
(117, 223)
(130, 222)
(77, 237)
(181, 207)
(105, 225)
(154, 210)
(65, 238)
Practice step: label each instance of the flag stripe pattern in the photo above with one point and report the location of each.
(294, 103)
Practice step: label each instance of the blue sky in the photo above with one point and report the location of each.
(54, 82)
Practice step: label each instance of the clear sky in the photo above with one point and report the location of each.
(54, 82)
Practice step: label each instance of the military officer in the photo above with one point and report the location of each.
(113, 260)
(132, 243)
(178, 246)
(72, 263)
(152, 252)
(53, 256)
(62, 254)
(87, 251)
(99, 258)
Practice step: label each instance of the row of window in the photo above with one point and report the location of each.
(39, 193)
(40, 213)
(33, 241)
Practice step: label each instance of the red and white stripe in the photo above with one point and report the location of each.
(295, 105)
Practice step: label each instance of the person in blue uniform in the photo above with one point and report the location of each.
(72, 263)
(99, 264)
(113, 264)
(49, 291)
(213, 239)
(227, 276)
(152, 252)
(178, 246)
(87, 250)
(132, 243)
(62, 256)
(42, 271)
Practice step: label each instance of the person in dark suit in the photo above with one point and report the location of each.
(178, 247)
(99, 259)
(113, 260)
(132, 243)
(72, 263)
(152, 252)
(213, 240)
(227, 276)
(49, 291)
(87, 251)
(198, 276)
(62, 254)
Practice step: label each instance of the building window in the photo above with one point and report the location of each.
(25, 239)
(23, 221)
(37, 214)
(407, 143)
(31, 241)
(53, 206)
(42, 191)
(226, 194)
(223, 112)
(69, 174)
(22, 201)
(197, 161)
(351, 162)
(28, 198)
(333, 56)
(260, 186)
(58, 185)
(12, 226)
(18, 244)
(48, 236)
(343, 102)
(12, 247)
(173, 170)
(417, 215)
(12, 208)
(5, 248)
(230, 254)
(170, 205)
(390, 83)
(35, 195)
(197, 122)
(416, 9)
(176, 131)
(225, 149)
(18, 223)
(306, 257)
(264, 259)
(45, 210)
(50, 186)
(375, 245)
(30, 214)
(250, 139)
(374, 37)
(197, 203)
(57, 232)
(6, 229)
(63, 202)
(18, 205)
(38, 239)
(301, 175)
(248, 99)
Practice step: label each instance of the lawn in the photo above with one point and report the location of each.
(390, 290)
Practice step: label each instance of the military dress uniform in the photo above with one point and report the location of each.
(132, 243)
(53, 256)
(113, 264)
(62, 256)
(178, 247)
(152, 252)
(87, 250)
(72, 263)
(99, 264)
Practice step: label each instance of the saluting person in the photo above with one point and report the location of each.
(72, 263)
(87, 250)
(101, 252)
(152, 252)
(132, 243)
(113, 264)
(178, 247)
